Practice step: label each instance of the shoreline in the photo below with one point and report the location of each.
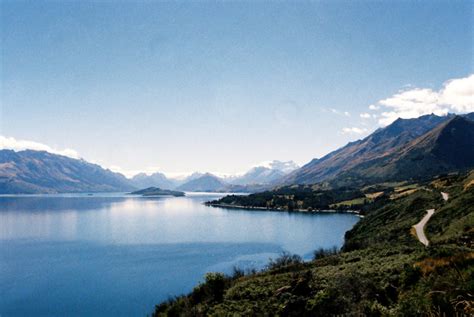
(315, 211)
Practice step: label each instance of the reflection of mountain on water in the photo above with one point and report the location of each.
(54, 203)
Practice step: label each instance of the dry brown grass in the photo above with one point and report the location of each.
(403, 194)
(430, 265)
(374, 195)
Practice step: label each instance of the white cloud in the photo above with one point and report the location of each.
(339, 113)
(354, 130)
(365, 115)
(457, 95)
(9, 143)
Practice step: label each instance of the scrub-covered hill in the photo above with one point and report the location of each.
(383, 270)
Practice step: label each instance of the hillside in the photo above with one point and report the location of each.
(33, 172)
(446, 148)
(383, 270)
(371, 153)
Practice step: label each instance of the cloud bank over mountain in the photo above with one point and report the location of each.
(10, 143)
(456, 95)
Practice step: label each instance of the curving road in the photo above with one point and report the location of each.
(420, 226)
(445, 196)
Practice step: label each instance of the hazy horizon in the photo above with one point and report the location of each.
(219, 87)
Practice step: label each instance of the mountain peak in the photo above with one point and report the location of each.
(382, 153)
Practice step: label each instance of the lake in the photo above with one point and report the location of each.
(113, 254)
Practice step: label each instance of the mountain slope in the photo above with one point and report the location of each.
(29, 172)
(446, 148)
(377, 146)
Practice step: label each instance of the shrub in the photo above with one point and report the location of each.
(285, 260)
(323, 253)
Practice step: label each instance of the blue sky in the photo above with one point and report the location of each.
(221, 86)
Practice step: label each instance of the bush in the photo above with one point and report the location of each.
(212, 290)
(285, 260)
(323, 253)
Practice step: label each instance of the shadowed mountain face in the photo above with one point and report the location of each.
(389, 153)
(447, 148)
(29, 172)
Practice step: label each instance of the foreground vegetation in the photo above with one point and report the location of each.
(382, 269)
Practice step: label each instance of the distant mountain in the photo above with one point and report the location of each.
(160, 180)
(29, 172)
(267, 173)
(379, 156)
(204, 183)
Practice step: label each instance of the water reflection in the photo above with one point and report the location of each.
(104, 255)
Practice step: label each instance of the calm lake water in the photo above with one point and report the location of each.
(120, 255)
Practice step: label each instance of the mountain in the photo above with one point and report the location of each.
(367, 158)
(448, 147)
(204, 183)
(31, 172)
(160, 180)
(266, 173)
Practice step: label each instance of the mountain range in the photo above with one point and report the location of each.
(31, 172)
(406, 149)
(256, 178)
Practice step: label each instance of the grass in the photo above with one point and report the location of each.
(406, 187)
(400, 194)
(351, 203)
(374, 195)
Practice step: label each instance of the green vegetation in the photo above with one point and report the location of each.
(382, 269)
(155, 191)
(321, 197)
(296, 197)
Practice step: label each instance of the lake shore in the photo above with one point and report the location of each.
(315, 211)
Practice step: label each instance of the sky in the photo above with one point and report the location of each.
(214, 86)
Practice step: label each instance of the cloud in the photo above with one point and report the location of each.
(9, 143)
(354, 130)
(365, 115)
(339, 113)
(456, 95)
(459, 94)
